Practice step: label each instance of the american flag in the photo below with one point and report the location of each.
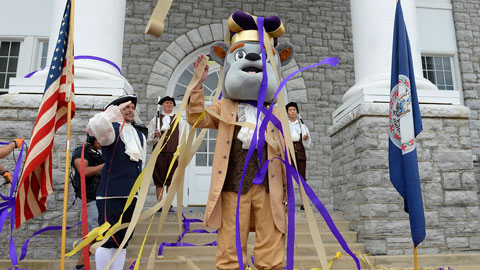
(36, 182)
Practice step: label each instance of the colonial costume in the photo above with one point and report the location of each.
(124, 161)
(261, 206)
(164, 123)
(297, 131)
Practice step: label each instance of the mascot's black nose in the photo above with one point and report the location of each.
(253, 57)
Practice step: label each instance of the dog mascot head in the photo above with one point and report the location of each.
(242, 58)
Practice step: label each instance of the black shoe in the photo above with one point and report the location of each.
(302, 208)
(171, 209)
(79, 267)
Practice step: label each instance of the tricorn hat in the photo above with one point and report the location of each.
(242, 27)
(165, 98)
(122, 99)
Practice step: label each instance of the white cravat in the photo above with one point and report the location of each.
(166, 121)
(247, 113)
(133, 146)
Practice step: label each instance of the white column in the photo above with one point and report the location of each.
(99, 27)
(372, 29)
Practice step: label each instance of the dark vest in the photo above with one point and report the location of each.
(119, 171)
(172, 144)
(236, 162)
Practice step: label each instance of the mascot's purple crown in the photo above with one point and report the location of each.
(242, 27)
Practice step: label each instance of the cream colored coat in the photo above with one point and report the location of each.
(228, 109)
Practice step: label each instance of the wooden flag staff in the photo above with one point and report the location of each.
(69, 119)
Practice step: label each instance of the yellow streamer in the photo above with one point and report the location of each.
(96, 233)
(155, 24)
(143, 185)
(337, 256)
(150, 166)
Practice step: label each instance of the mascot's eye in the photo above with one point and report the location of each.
(239, 55)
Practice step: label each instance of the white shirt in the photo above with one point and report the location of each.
(297, 130)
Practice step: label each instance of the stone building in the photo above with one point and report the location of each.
(346, 108)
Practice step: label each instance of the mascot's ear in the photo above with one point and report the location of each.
(286, 52)
(218, 52)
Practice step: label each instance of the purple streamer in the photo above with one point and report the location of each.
(323, 211)
(79, 57)
(261, 142)
(291, 171)
(33, 72)
(186, 228)
(46, 229)
(96, 58)
(262, 92)
(25, 245)
(11, 206)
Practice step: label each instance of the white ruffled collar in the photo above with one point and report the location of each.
(248, 113)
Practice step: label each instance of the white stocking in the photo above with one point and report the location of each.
(103, 257)
(120, 260)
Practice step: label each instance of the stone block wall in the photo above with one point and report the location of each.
(362, 189)
(466, 21)
(18, 113)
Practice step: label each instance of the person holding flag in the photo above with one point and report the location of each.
(405, 124)
(4, 151)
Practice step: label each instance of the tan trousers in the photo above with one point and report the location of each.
(269, 247)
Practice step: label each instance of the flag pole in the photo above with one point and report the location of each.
(415, 258)
(67, 151)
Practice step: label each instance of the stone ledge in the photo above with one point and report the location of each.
(381, 109)
(32, 101)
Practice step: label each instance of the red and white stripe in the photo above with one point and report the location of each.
(36, 182)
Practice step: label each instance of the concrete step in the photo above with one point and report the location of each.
(207, 251)
(203, 238)
(301, 262)
(440, 260)
(300, 226)
(199, 213)
(460, 261)
(40, 264)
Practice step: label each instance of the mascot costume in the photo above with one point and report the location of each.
(261, 207)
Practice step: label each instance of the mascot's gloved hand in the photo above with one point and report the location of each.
(204, 73)
(18, 142)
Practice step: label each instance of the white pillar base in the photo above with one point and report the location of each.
(377, 92)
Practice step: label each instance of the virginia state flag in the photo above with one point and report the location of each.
(405, 123)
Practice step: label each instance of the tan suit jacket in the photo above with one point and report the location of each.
(228, 109)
